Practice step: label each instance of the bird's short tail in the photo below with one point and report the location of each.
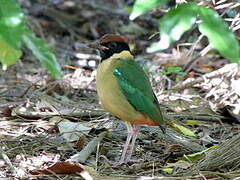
(163, 129)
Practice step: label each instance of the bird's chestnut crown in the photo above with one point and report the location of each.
(111, 44)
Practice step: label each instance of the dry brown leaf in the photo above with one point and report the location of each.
(60, 167)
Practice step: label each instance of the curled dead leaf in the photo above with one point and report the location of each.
(60, 167)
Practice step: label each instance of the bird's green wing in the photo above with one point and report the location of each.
(137, 89)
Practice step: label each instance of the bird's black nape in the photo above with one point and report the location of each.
(110, 48)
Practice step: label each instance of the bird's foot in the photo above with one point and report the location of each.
(126, 161)
(113, 164)
(133, 160)
(120, 162)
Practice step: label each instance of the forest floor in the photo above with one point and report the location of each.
(56, 129)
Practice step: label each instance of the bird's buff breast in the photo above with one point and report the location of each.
(112, 98)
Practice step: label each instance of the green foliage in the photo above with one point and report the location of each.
(167, 170)
(198, 155)
(44, 54)
(14, 32)
(219, 35)
(173, 70)
(11, 29)
(12, 22)
(174, 24)
(8, 54)
(142, 6)
(181, 18)
(183, 130)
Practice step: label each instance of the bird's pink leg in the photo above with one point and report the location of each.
(125, 149)
(135, 131)
(128, 149)
(126, 145)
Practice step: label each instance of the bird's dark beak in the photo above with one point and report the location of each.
(94, 45)
(102, 48)
(98, 46)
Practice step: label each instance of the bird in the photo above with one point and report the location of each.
(125, 91)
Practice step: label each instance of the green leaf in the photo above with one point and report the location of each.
(167, 170)
(219, 35)
(12, 24)
(180, 164)
(142, 6)
(12, 27)
(8, 54)
(175, 69)
(174, 24)
(183, 129)
(42, 51)
(198, 155)
(193, 122)
(13, 31)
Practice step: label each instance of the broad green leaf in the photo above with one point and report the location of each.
(167, 170)
(193, 122)
(174, 24)
(198, 155)
(42, 51)
(183, 129)
(12, 24)
(219, 35)
(142, 6)
(179, 164)
(8, 54)
(173, 70)
(12, 27)
(13, 31)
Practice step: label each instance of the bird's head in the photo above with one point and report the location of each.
(111, 44)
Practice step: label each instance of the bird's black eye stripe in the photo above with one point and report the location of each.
(112, 48)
